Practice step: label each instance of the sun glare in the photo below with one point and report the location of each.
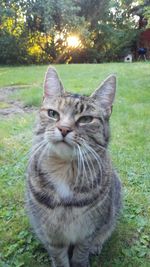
(73, 41)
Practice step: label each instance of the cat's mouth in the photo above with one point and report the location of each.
(63, 149)
(64, 142)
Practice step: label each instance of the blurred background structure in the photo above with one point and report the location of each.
(72, 31)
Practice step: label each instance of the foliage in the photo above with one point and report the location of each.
(36, 31)
(147, 15)
(129, 244)
(50, 22)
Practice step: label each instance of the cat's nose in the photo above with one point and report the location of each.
(64, 130)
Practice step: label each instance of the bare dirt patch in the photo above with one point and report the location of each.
(10, 107)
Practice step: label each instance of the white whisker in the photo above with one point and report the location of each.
(88, 166)
(44, 152)
(83, 165)
(78, 167)
(101, 147)
(35, 150)
(91, 167)
(94, 155)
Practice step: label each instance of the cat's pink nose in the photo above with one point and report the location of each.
(64, 130)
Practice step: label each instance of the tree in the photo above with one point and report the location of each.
(12, 38)
(38, 30)
(147, 15)
(53, 20)
(116, 33)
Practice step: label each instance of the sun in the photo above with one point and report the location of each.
(73, 41)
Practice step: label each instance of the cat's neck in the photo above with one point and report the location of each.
(60, 169)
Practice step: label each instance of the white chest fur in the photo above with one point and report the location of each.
(63, 190)
(60, 171)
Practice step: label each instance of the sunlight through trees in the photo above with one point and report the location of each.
(46, 31)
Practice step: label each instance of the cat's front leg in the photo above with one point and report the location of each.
(80, 256)
(59, 256)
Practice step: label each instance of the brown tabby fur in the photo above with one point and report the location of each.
(73, 193)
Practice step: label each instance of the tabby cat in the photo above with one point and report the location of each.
(73, 193)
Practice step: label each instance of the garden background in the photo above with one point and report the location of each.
(34, 34)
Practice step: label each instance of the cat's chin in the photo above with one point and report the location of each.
(63, 150)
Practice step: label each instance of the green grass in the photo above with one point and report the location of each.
(129, 245)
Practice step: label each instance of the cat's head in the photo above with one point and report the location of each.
(71, 122)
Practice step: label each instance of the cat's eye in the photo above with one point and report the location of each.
(85, 119)
(53, 114)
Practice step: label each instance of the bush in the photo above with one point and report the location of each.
(12, 49)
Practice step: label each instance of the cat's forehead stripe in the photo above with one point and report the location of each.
(77, 104)
(80, 106)
(74, 96)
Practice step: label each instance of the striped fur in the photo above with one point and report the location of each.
(73, 194)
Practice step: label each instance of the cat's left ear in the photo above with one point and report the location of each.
(105, 94)
(52, 84)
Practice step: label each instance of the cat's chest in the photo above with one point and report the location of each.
(63, 189)
(58, 174)
(69, 225)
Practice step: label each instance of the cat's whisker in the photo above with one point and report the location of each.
(87, 159)
(85, 144)
(84, 176)
(36, 146)
(78, 167)
(93, 152)
(35, 150)
(92, 168)
(91, 162)
(77, 156)
(44, 152)
(89, 168)
(98, 162)
(101, 147)
(95, 156)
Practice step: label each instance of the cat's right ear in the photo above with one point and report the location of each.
(105, 94)
(52, 84)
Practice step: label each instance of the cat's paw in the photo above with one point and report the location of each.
(78, 264)
(96, 250)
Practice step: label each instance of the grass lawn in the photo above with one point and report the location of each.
(129, 245)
